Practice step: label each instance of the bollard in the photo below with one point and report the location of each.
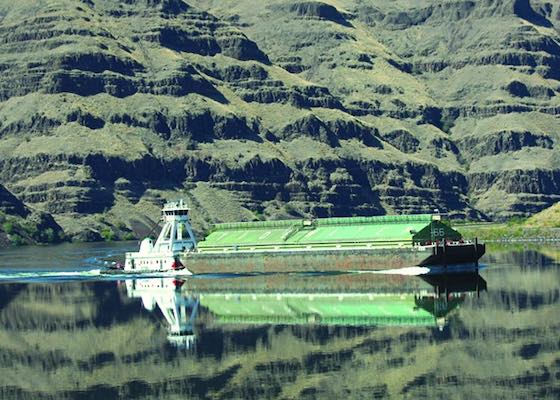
(476, 253)
(444, 253)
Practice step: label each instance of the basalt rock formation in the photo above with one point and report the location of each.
(279, 108)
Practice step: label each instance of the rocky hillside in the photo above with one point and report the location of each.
(20, 225)
(253, 110)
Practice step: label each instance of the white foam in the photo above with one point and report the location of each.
(48, 274)
(410, 271)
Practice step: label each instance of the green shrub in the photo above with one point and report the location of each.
(107, 234)
(48, 236)
(516, 221)
(259, 215)
(291, 209)
(129, 236)
(17, 240)
(32, 230)
(8, 227)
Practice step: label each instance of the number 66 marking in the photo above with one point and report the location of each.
(439, 232)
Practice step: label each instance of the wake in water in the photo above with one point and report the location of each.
(431, 270)
(43, 276)
(409, 271)
(84, 275)
(98, 274)
(65, 262)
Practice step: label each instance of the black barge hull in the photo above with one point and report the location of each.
(334, 260)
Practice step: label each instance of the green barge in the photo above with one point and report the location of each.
(313, 245)
(334, 244)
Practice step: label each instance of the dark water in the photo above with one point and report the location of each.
(69, 332)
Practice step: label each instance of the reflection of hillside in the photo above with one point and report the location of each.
(504, 345)
(101, 344)
(526, 254)
(551, 252)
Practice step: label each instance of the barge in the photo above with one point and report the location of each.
(313, 245)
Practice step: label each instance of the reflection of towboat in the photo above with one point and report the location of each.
(179, 310)
(428, 302)
(357, 243)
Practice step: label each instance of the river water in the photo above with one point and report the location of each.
(70, 332)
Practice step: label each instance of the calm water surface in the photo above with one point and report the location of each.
(69, 332)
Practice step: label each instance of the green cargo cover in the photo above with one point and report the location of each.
(354, 232)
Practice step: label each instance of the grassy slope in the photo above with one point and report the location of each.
(478, 81)
(543, 225)
(549, 218)
(133, 143)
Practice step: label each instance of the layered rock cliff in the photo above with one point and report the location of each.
(278, 108)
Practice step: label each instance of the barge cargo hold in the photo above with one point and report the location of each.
(334, 244)
(326, 244)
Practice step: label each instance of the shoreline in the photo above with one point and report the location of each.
(508, 233)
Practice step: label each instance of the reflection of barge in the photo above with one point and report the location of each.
(365, 243)
(380, 301)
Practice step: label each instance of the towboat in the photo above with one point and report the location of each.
(176, 238)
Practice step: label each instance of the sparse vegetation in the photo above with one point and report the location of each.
(108, 235)
(129, 236)
(121, 226)
(24, 231)
(549, 218)
(17, 240)
(515, 229)
(8, 227)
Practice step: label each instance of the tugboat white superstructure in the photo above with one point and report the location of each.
(175, 238)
